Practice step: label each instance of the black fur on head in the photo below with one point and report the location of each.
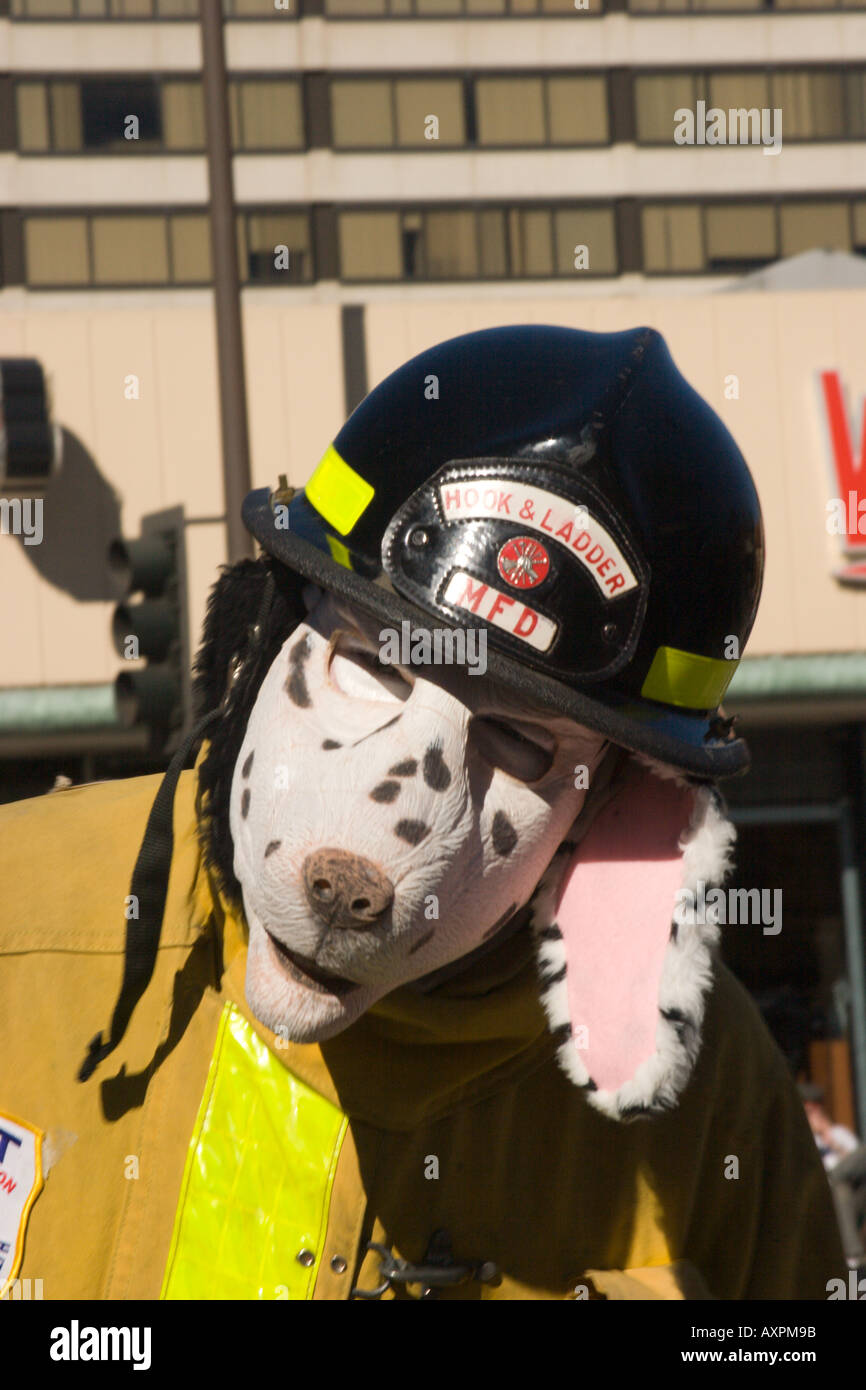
(232, 609)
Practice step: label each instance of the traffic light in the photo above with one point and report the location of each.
(30, 446)
(155, 628)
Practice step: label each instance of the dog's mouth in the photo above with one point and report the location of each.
(306, 972)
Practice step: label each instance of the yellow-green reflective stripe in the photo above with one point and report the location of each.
(339, 552)
(257, 1183)
(684, 678)
(337, 492)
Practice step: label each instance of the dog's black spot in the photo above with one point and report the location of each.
(245, 770)
(407, 768)
(296, 684)
(386, 791)
(674, 931)
(412, 831)
(245, 802)
(681, 1022)
(633, 1112)
(274, 844)
(504, 834)
(591, 1086)
(330, 743)
(547, 981)
(423, 942)
(550, 933)
(562, 1034)
(436, 773)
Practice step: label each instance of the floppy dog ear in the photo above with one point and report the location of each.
(625, 961)
(233, 607)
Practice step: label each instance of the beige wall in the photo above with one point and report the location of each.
(163, 449)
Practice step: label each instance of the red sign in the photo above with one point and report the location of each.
(846, 511)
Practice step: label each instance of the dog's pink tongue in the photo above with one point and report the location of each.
(615, 915)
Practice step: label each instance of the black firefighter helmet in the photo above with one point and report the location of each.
(569, 494)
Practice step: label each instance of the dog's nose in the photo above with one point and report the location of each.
(345, 890)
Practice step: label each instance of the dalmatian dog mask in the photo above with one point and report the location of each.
(389, 821)
(382, 826)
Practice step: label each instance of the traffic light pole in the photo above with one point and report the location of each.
(226, 282)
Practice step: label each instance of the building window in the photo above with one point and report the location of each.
(407, 9)
(34, 134)
(43, 9)
(812, 104)
(370, 246)
(417, 100)
(672, 238)
(740, 236)
(450, 246)
(105, 9)
(733, 90)
(815, 226)
(66, 133)
(592, 228)
(129, 250)
(275, 248)
(855, 103)
(505, 112)
(577, 111)
(510, 110)
(493, 247)
(531, 243)
(55, 250)
(106, 107)
(657, 98)
(182, 115)
(353, 8)
(259, 9)
(362, 114)
(695, 6)
(816, 103)
(189, 244)
(91, 115)
(270, 115)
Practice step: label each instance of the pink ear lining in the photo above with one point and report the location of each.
(615, 911)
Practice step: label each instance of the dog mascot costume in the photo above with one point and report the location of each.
(414, 999)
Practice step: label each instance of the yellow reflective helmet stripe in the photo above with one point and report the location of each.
(684, 678)
(338, 493)
(257, 1183)
(339, 552)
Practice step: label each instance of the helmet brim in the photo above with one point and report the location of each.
(681, 739)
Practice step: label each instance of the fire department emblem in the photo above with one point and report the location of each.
(523, 562)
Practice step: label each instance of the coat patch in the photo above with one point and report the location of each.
(20, 1185)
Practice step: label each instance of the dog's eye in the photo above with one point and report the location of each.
(525, 751)
(357, 670)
